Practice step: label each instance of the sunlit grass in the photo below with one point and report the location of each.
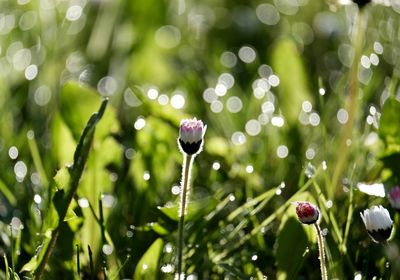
(301, 104)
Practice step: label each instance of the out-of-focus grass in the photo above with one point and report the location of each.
(270, 79)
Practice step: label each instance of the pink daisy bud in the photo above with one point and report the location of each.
(306, 212)
(378, 223)
(191, 133)
(394, 198)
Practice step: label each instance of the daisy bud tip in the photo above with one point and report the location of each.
(191, 134)
(307, 212)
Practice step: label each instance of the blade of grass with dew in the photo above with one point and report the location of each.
(287, 62)
(218, 257)
(37, 160)
(329, 214)
(7, 269)
(350, 210)
(8, 194)
(266, 196)
(63, 197)
(289, 250)
(147, 267)
(232, 271)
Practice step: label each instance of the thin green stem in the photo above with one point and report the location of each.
(92, 275)
(184, 199)
(103, 237)
(12, 252)
(352, 106)
(348, 222)
(324, 274)
(78, 262)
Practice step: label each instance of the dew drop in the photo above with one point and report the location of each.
(146, 175)
(228, 59)
(175, 190)
(140, 123)
(20, 170)
(16, 223)
(282, 151)
(74, 13)
(324, 165)
(310, 170)
(247, 54)
(163, 99)
(178, 101)
(107, 249)
(253, 127)
(216, 165)
(358, 276)
(130, 153)
(277, 121)
(167, 268)
(152, 93)
(306, 106)
(342, 116)
(13, 152)
(216, 106)
(249, 169)
(238, 138)
(168, 248)
(37, 199)
(83, 202)
(274, 80)
(221, 89)
(234, 104)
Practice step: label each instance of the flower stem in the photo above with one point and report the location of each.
(324, 274)
(184, 199)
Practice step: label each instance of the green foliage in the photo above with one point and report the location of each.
(270, 80)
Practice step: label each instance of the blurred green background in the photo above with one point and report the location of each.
(271, 81)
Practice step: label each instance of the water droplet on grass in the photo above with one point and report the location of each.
(277, 121)
(310, 170)
(83, 202)
(146, 175)
(152, 93)
(177, 100)
(140, 123)
(175, 190)
(234, 104)
(249, 168)
(20, 170)
(282, 151)
(238, 138)
(306, 106)
(253, 127)
(216, 165)
(342, 116)
(247, 54)
(37, 199)
(13, 152)
(228, 59)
